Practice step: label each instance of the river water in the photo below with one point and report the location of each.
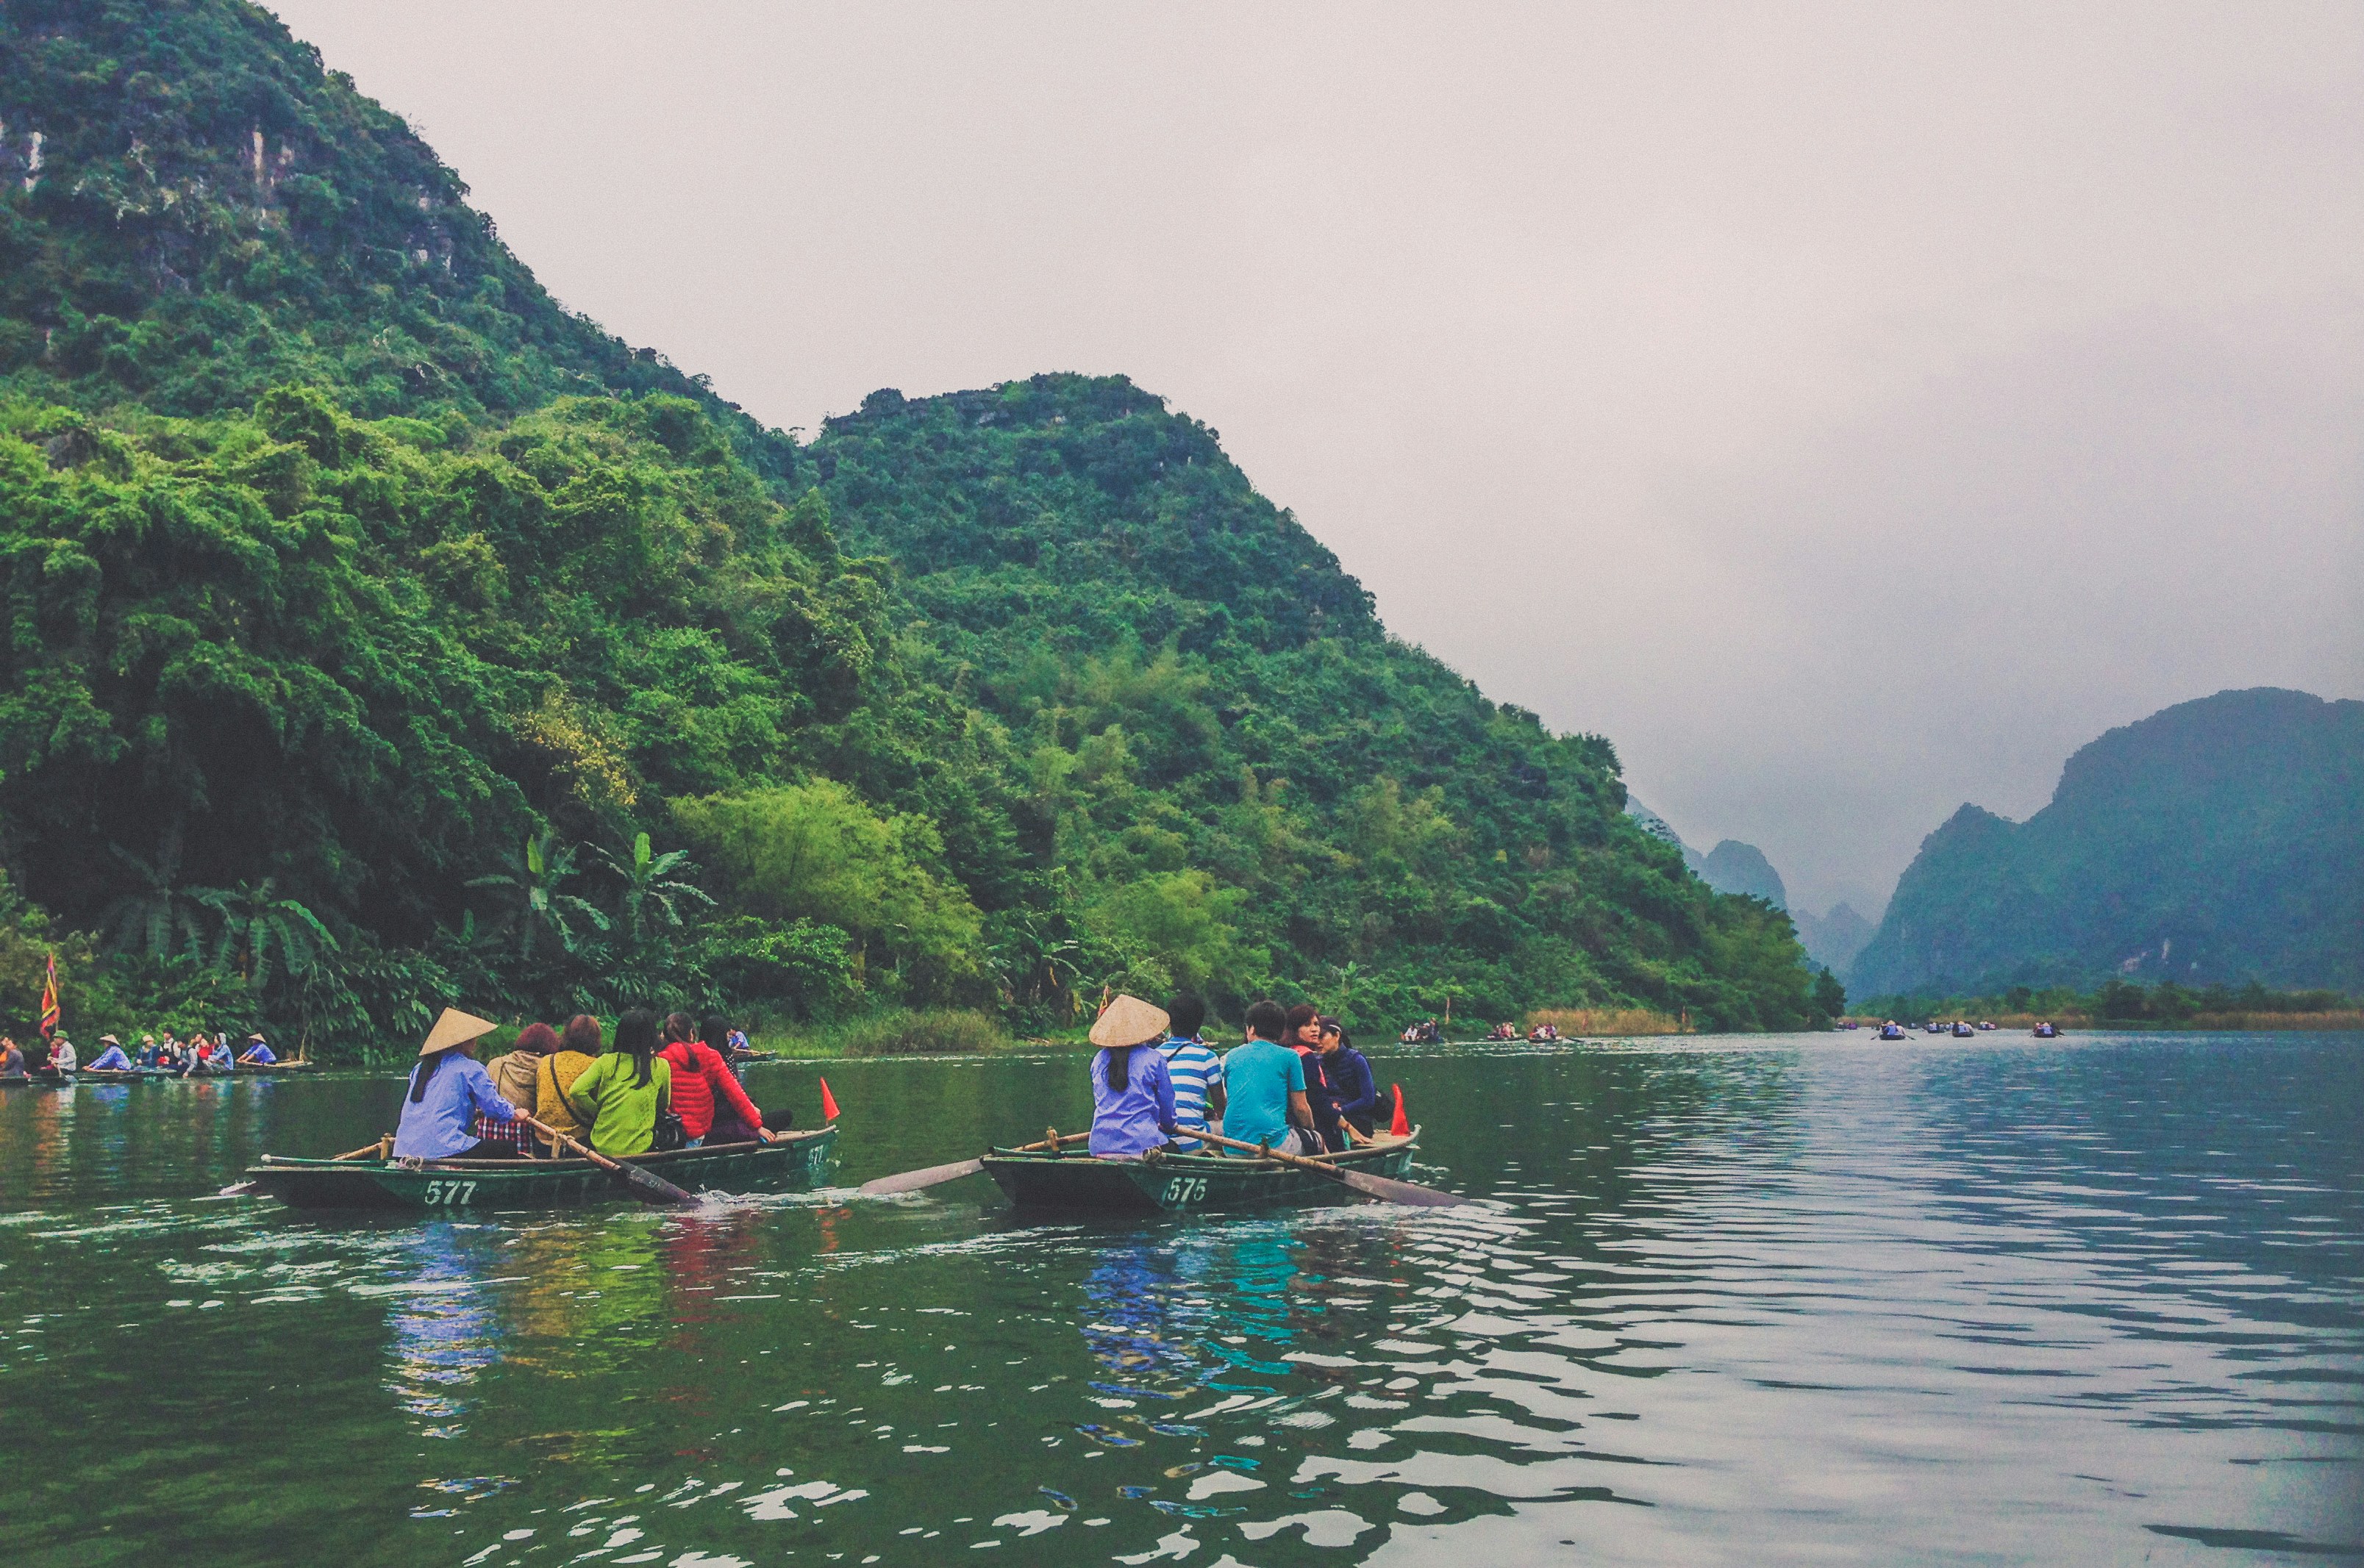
(1729, 1300)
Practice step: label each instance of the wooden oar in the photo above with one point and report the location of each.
(1385, 1187)
(651, 1187)
(936, 1176)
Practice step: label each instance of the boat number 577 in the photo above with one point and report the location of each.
(457, 1194)
(1186, 1189)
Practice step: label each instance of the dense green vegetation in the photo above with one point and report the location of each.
(2215, 842)
(379, 635)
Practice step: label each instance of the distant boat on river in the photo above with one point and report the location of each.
(795, 1162)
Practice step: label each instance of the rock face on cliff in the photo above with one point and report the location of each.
(2219, 840)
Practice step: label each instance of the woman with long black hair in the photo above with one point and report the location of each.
(619, 1095)
(449, 1089)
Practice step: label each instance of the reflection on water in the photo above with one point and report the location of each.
(1727, 1301)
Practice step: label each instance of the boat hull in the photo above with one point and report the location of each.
(1171, 1184)
(795, 1161)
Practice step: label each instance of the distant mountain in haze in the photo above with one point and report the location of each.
(2218, 841)
(1734, 867)
(1833, 939)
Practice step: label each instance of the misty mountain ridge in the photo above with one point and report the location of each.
(1831, 941)
(2218, 841)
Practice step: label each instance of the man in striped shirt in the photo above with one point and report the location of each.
(1196, 1072)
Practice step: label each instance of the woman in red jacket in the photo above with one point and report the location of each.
(703, 1086)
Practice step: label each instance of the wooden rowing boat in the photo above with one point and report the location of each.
(1176, 1183)
(83, 1075)
(795, 1162)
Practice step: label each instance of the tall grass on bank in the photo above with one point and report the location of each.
(901, 1031)
(1607, 1020)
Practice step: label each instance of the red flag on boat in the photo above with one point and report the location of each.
(827, 1102)
(50, 1014)
(1401, 1127)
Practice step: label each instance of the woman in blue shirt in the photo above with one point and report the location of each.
(449, 1089)
(1132, 1095)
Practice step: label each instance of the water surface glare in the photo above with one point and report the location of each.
(1804, 1298)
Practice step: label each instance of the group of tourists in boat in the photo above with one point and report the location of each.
(1541, 1034)
(1297, 1085)
(195, 1056)
(658, 1083)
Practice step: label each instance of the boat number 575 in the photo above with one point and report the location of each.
(455, 1193)
(1186, 1189)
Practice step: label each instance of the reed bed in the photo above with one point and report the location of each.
(1609, 1021)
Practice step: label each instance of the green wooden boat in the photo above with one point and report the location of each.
(83, 1075)
(1159, 1182)
(795, 1161)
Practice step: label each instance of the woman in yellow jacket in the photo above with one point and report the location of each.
(619, 1095)
(578, 1047)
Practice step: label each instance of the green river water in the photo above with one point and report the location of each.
(1725, 1301)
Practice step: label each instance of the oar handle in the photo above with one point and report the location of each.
(583, 1149)
(1051, 1143)
(1270, 1154)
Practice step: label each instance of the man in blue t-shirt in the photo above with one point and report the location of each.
(1197, 1072)
(1266, 1083)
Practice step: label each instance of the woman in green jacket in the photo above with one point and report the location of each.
(617, 1097)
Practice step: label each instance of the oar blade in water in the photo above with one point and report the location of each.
(1392, 1191)
(912, 1181)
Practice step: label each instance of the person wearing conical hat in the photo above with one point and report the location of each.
(111, 1059)
(1132, 1095)
(449, 1089)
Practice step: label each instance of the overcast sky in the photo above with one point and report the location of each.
(1849, 410)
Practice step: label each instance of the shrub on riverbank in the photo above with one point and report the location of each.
(932, 1032)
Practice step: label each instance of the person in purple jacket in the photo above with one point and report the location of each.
(1132, 1094)
(449, 1089)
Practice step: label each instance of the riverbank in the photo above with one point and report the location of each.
(2199, 1023)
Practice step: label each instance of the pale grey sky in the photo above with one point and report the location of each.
(1849, 410)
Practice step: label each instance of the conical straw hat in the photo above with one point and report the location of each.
(455, 1029)
(1129, 1020)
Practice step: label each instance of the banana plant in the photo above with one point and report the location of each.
(255, 920)
(536, 902)
(654, 879)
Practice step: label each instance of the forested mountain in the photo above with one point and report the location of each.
(2217, 841)
(379, 634)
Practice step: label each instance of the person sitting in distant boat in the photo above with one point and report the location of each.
(555, 1074)
(150, 1054)
(195, 1056)
(1506, 1030)
(258, 1053)
(219, 1057)
(12, 1059)
(449, 1089)
(1132, 1094)
(1266, 1084)
(112, 1058)
(63, 1057)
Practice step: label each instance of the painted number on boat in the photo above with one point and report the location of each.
(1186, 1189)
(455, 1193)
